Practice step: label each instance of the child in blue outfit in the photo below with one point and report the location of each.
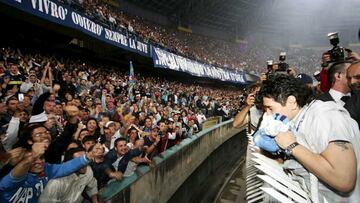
(264, 138)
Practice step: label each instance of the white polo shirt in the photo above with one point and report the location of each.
(315, 126)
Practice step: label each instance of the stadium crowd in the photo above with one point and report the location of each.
(58, 108)
(231, 55)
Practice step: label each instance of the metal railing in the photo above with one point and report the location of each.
(266, 180)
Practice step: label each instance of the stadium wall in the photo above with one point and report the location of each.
(173, 168)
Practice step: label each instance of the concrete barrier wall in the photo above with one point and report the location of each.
(209, 178)
(211, 122)
(175, 165)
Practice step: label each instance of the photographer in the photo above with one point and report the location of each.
(249, 111)
(333, 58)
(280, 68)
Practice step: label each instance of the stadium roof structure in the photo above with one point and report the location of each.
(216, 14)
(307, 17)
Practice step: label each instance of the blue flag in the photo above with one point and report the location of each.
(131, 82)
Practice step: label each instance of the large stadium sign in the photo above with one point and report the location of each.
(165, 59)
(64, 15)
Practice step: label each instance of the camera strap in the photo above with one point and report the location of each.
(259, 124)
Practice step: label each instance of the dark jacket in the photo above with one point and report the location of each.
(325, 97)
(67, 88)
(111, 157)
(353, 107)
(59, 145)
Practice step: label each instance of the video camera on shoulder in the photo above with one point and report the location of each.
(337, 53)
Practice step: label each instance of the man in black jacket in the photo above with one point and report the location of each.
(353, 76)
(67, 87)
(353, 104)
(339, 90)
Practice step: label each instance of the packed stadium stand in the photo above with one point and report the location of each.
(176, 101)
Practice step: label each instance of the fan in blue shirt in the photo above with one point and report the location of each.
(29, 177)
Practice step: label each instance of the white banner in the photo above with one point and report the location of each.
(165, 59)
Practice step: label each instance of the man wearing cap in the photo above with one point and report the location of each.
(171, 133)
(305, 79)
(111, 134)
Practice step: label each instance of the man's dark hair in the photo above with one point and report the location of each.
(337, 67)
(26, 135)
(131, 129)
(281, 86)
(252, 88)
(82, 130)
(77, 142)
(23, 110)
(10, 99)
(88, 138)
(161, 121)
(119, 140)
(12, 60)
(105, 114)
(70, 153)
(93, 119)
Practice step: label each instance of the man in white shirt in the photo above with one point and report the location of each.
(324, 141)
(69, 189)
(200, 117)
